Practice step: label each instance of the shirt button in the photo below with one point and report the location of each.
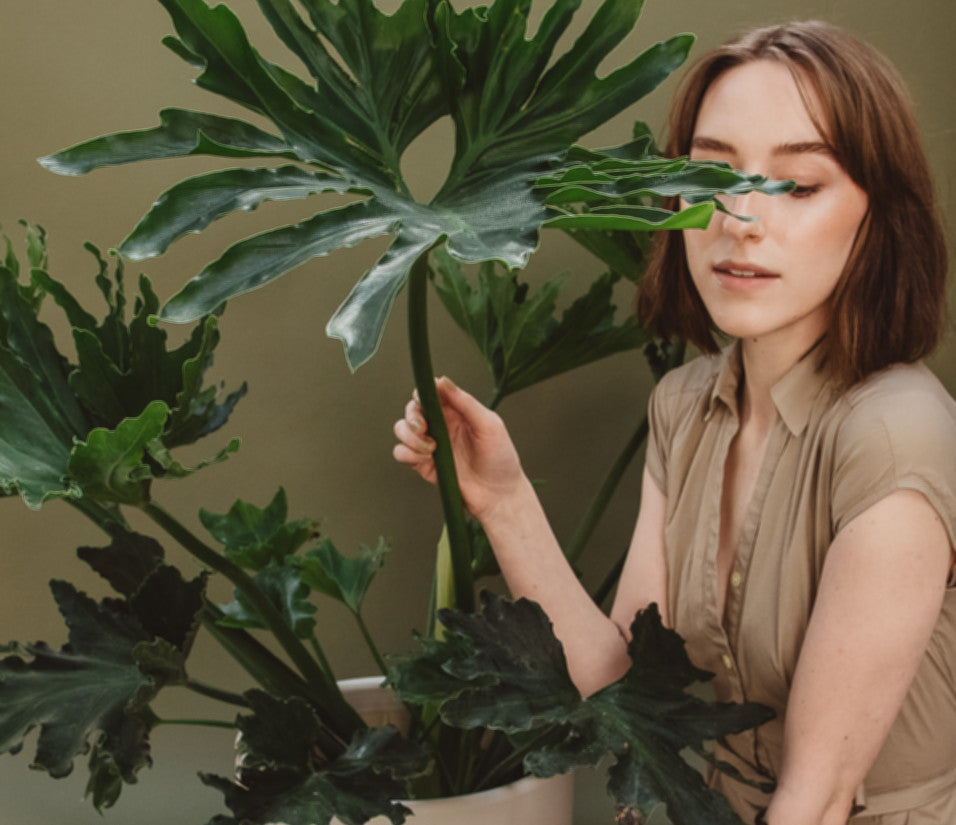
(728, 662)
(736, 578)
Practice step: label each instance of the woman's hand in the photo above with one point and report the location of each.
(488, 467)
(499, 495)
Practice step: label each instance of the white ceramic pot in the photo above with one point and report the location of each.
(529, 801)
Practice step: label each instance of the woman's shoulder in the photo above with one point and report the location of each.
(895, 429)
(902, 397)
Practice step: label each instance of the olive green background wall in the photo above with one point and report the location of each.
(72, 70)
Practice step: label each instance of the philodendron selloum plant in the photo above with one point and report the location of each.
(488, 691)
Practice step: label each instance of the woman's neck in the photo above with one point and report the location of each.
(763, 366)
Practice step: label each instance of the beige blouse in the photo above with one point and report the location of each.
(831, 455)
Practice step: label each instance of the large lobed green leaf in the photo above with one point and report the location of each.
(93, 695)
(503, 669)
(374, 82)
(516, 330)
(263, 540)
(283, 776)
(252, 536)
(103, 426)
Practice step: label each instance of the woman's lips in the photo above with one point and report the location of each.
(737, 269)
(735, 275)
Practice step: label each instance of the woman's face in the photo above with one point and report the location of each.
(770, 279)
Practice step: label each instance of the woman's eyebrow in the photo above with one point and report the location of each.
(710, 144)
(803, 148)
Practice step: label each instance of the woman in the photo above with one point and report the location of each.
(798, 516)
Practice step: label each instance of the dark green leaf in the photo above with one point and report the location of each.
(31, 343)
(254, 262)
(399, 92)
(283, 586)
(284, 777)
(516, 110)
(180, 133)
(197, 411)
(279, 735)
(422, 678)
(506, 671)
(124, 374)
(347, 580)
(253, 537)
(516, 331)
(123, 367)
(91, 691)
(110, 464)
(168, 607)
(127, 561)
(514, 642)
(34, 455)
(195, 203)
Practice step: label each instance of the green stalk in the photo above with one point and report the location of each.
(370, 643)
(200, 723)
(510, 763)
(216, 693)
(452, 504)
(320, 655)
(585, 527)
(103, 516)
(343, 718)
(274, 675)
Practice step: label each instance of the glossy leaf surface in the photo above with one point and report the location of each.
(373, 82)
(284, 778)
(94, 693)
(517, 332)
(252, 537)
(342, 578)
(103, 426)
(504, 670)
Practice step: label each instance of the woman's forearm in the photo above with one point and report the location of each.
(535, 568)
(800, 807)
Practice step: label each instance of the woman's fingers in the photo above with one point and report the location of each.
(462, 402)
(411, 434)
(414, 415)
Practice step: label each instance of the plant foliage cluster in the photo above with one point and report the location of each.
(488, 691)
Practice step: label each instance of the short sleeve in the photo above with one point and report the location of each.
(893, 440)
(658, 438)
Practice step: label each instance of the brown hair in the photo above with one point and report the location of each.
(889, 303)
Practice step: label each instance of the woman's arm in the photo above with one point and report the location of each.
(499, 494)
(879, 598)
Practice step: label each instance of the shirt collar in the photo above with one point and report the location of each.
(729, 373)
(793, 395)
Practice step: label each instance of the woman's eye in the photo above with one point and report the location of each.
(805, 191)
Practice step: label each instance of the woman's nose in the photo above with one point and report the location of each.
(746, 219)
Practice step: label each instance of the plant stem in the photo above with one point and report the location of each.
(203, 723)
(370, 643)
(264, 666)
(320, 655)
(585, 527)
(344, 720)
(216, 693)
(101, 515)
(452, 505)
(274, 675)
(509, 763)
